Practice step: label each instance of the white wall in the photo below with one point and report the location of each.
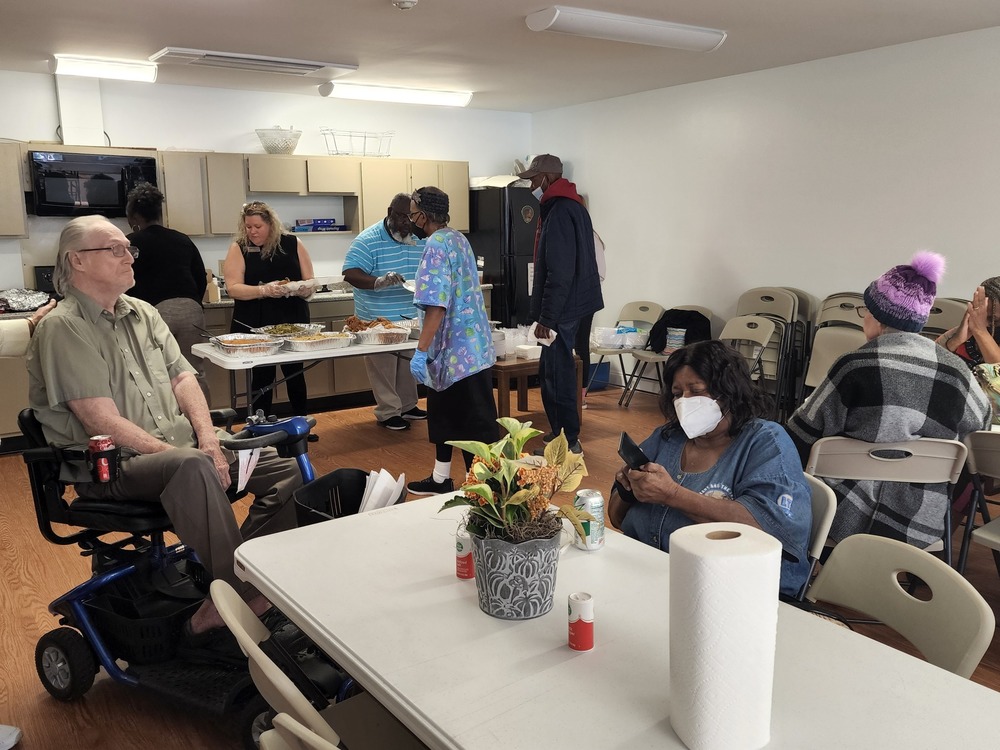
(193, 118)
(818, 176)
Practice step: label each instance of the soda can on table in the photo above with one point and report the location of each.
(581, 621)
(464, 567)
(102, 467)
(591, 501)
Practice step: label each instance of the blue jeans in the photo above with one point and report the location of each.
(557, 373)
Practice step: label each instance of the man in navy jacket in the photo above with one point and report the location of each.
(566, 289)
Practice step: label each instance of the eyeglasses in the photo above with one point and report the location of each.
(116, 250)
(861, 310)
(254, 207)
(411, 214)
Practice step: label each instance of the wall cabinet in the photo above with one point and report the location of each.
(334, 174)
(381, 179)
(13, 218)
(227, 191)
(184, 187)
(273, 173)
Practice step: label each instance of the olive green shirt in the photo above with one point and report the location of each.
(82, 351)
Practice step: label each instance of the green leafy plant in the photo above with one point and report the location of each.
(508, 491)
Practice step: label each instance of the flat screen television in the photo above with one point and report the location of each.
(66, 184)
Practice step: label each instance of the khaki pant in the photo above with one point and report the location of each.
(184, 481)
(393, 385)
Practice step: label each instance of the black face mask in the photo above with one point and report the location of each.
(419, 232)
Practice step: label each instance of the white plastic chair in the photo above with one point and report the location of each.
(749, 335)
(923, 461)
(952, 629)
(829, 344)
(289, 734)
(824, 507)
(983, 462)
(639, 313)
(944, 315)
(644, 358)
(274, 685)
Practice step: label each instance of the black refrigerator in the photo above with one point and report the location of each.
(503, 222)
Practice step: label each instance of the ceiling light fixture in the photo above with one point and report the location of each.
(104, 67)
(618, 28)
(253, 63)
(396, 95)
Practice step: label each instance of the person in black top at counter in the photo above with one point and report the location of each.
(169, 272)
(261, 261)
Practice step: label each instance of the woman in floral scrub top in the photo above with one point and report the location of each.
(455, 351)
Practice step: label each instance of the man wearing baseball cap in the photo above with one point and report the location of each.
(566, 291)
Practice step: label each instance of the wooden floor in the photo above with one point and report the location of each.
(113, 716)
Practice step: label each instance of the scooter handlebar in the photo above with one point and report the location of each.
(245, 439)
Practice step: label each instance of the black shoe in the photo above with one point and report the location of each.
(573, 447)
(415, 413)
(430, 487)
(313, 437)
(217, 646)
(395, 423)
(549, 438)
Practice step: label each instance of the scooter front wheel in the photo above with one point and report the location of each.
(65, 663)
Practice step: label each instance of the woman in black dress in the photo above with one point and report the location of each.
(261, 257)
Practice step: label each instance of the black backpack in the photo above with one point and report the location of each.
(696, 328)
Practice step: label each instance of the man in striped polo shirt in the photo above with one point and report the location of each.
(379, 260)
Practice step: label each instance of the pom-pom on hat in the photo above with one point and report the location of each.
(901, 298)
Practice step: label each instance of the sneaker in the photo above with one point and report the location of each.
(549, 438)
(415, 413)
(430, 487)
(9, 736)
(395, 423)
(573, 447)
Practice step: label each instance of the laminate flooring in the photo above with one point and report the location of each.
(113, 716)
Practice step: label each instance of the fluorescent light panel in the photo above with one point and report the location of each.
(618, 28)
(254, 63)
(396, 95)
(104, 67)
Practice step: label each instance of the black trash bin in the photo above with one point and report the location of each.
(332, 495)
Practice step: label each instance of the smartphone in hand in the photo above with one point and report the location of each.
(631, 453)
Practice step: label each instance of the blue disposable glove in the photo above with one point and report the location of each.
(418, 367)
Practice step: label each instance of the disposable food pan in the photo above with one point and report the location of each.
(327, 340)
(285, 330)
(243, 344)
(383, 336)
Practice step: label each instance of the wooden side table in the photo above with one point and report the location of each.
(521, 369)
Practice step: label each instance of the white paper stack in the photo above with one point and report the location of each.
(381, 490)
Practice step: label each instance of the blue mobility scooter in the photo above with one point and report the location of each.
(142, 591)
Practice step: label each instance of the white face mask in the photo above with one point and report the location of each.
(698, 415)
(537, 192)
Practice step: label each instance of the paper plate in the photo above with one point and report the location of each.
(410, 286)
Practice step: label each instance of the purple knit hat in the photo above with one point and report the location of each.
(901, 298)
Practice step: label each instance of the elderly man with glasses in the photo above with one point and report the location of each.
(104, 363)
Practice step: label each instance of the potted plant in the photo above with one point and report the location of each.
(514, 530)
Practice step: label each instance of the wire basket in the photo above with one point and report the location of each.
(357, 142)
(279, 140)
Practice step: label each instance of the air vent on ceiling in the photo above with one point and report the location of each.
(255, 63)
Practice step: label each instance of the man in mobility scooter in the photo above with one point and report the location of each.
(106, 364)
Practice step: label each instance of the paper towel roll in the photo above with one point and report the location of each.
(723, 622)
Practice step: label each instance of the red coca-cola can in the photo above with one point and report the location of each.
(102, 467)
(464, 567)
(581, 621)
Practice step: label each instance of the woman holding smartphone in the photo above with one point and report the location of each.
(716, 459)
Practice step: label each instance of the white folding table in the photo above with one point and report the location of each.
(378, 593)
(237, 363)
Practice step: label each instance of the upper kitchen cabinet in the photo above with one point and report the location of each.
(381, 179)
(334, 174)
(227, 191)
(13, 218)
(184, 189)
(273, 173)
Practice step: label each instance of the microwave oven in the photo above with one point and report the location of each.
(67, 184)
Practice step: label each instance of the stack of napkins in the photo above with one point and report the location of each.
(381, 490)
